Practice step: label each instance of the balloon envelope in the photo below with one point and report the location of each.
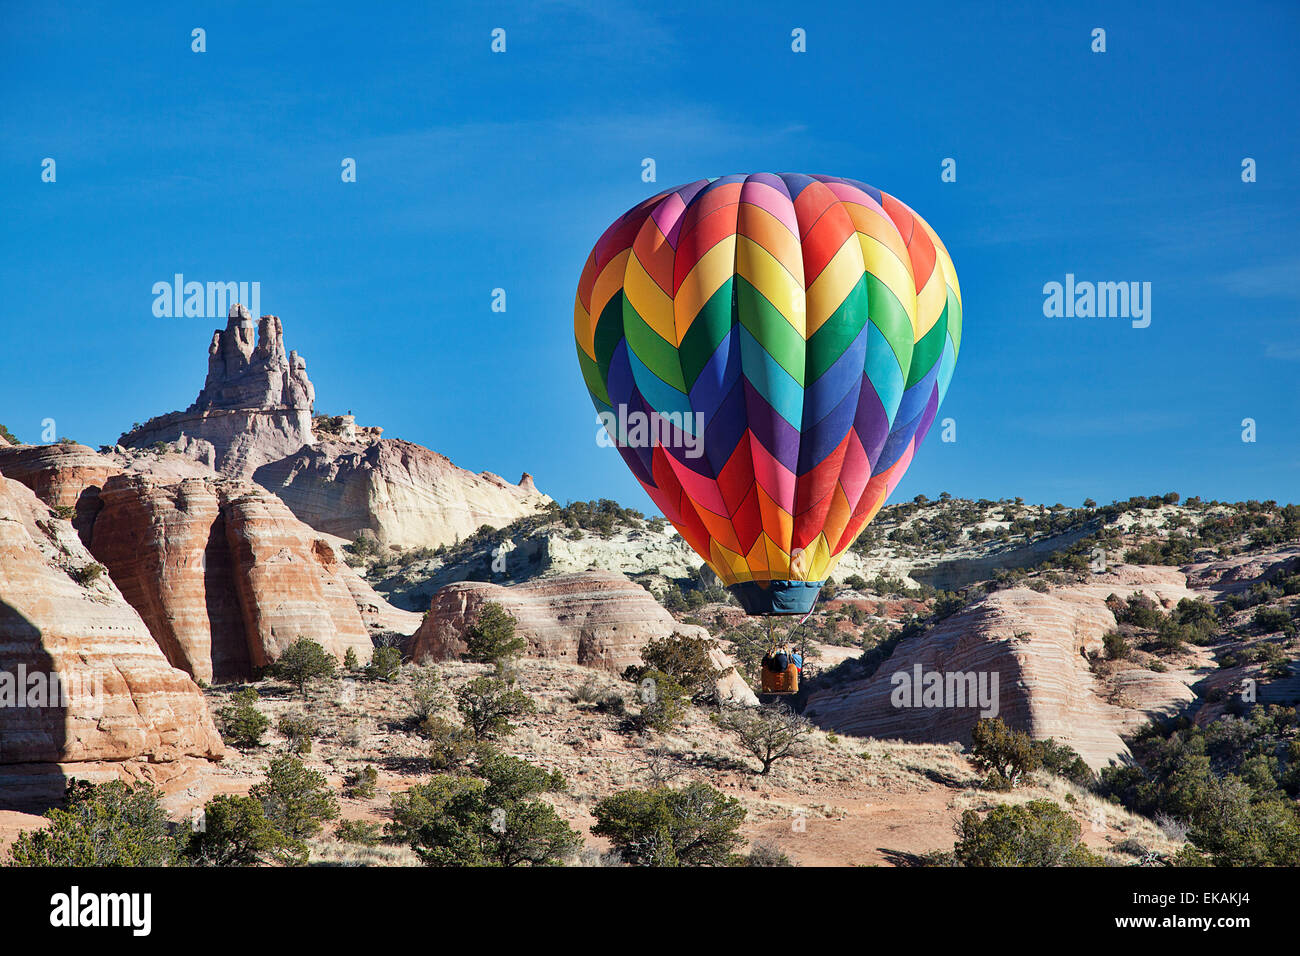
(767, 352)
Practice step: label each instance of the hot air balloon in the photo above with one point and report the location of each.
(767, 352)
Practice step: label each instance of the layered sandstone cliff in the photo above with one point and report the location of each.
(221, 572)
(95, 685)
(1037, 645)
(402, 493)
(596, 618)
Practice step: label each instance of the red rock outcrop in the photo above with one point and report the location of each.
(597, 619)
(1037, 645)
(62, 475)
(401, 492)
(120, 700)
(166, 549)
(223, 574)
(288, 582)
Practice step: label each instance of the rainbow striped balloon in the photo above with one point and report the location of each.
(767, 352)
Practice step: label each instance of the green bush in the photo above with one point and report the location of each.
(358, 832)
(492, 636)
(487, 705)
(1038, 833)
(296, 800)
(663, 701)
(304, 661)
(109, 824)
(385, 665)
(1116, 648)
(242, 724)
(236, 832)
(491, 820)
(450, 745)
(1003, 753)
(361, 783)
(685, 659)
(694, 826)
(298, 731)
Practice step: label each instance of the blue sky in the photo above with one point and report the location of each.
(478, 170)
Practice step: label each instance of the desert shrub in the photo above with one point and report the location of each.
(109, 824)
(1233, 782)
(450, 745)
(588, 692)
(492, 636)
(771, 732)
(361, 783)
(492, 820)
(1115, 646)
(426, 696)
(487, 705)
(298, 731)
(1064, 761)
(236, 832)
(1138, 610)
(364, 544)
(86, 575)
(1270, 619)
(765, 854)
(694, 826)
(296, 800)
(1003, 753)
(304, 661)
(358, 832)
(685, 659)
(663, 701)
(385, 664)
(1038, 833)
(350, 661)
(242, 724)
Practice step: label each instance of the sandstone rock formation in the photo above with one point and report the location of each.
(63, 476)
(255, 407)
(289, 583)
(1037, 645)
(403, 493)
(223, 575)
(597, 619)
(220, 571)
(254, 419)
(117, 698)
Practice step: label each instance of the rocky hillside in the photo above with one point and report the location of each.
(255, 419)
